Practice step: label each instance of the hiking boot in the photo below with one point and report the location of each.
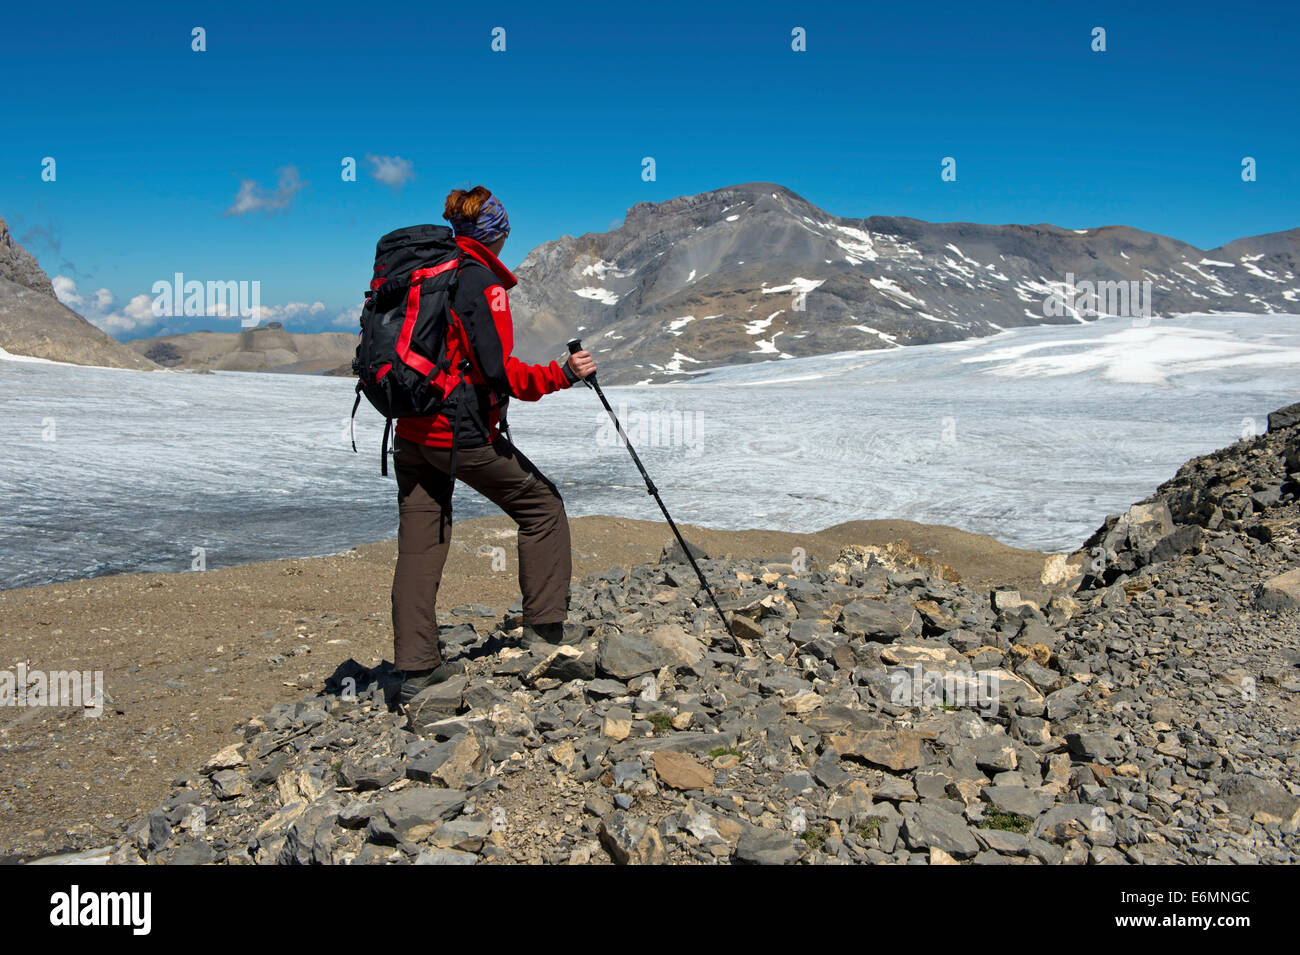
(413, 681)
(535, 633)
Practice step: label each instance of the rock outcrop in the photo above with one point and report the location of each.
(19, 266)
(34, 323)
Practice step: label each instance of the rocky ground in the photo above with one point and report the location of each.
(186, 657)
(878, 708)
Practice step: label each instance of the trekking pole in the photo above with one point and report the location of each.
(575, 345)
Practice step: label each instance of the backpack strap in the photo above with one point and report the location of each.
(503, 426)
(465, 366)
(455, 438)
(483, 333)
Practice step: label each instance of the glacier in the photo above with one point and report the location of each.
(1032, 436)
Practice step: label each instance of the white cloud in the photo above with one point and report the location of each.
(289, 312)
(136, 316)
(66, 290)
(140, 308)
(349, 318)
(392, 171)
(253, 198)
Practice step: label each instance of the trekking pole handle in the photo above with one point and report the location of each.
(575, 346)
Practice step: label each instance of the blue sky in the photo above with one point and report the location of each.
(154, 142)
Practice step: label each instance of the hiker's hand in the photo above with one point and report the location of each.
(582, 363)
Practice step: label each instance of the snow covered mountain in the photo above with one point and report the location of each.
(756, 273)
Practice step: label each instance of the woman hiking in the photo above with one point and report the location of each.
(424, 457)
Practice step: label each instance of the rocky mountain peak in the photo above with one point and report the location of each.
(755, 272)
(19, 266)
(34, 322)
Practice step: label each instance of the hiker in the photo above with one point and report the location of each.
(482, 457)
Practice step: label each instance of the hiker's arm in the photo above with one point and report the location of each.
(527, 382)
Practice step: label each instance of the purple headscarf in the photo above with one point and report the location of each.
(491, 224)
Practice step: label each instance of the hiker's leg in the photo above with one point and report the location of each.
(423, 539)
(513, 483)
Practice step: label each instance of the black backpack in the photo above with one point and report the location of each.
(401, 362)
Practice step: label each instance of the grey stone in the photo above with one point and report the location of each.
(1287, 417)
(228, 784)
(1016, 800)
(1252, 797)
(1063, 823)
(628, 655)
(1184, 539)
(408, 813)
(445, 857)
(925, 826)
(631, 840)
(760, 846)
(437, 702)
(1280, 593)
(873, 620)
(1096, 747)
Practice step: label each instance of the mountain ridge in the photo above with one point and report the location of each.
(263, 348)
(682, 287)
(686, 284)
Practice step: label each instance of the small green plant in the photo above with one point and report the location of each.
(815, 838)
(870, 829)
(1006, 821)
(662, 722)
(725, 751)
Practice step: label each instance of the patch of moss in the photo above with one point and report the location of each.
(815, 838)
(869, 829)
(1006, 821)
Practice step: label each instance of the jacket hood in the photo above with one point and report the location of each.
(485, 257)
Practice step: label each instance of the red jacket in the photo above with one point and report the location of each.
(482, 310)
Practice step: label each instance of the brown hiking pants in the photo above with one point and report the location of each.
(509, 480)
